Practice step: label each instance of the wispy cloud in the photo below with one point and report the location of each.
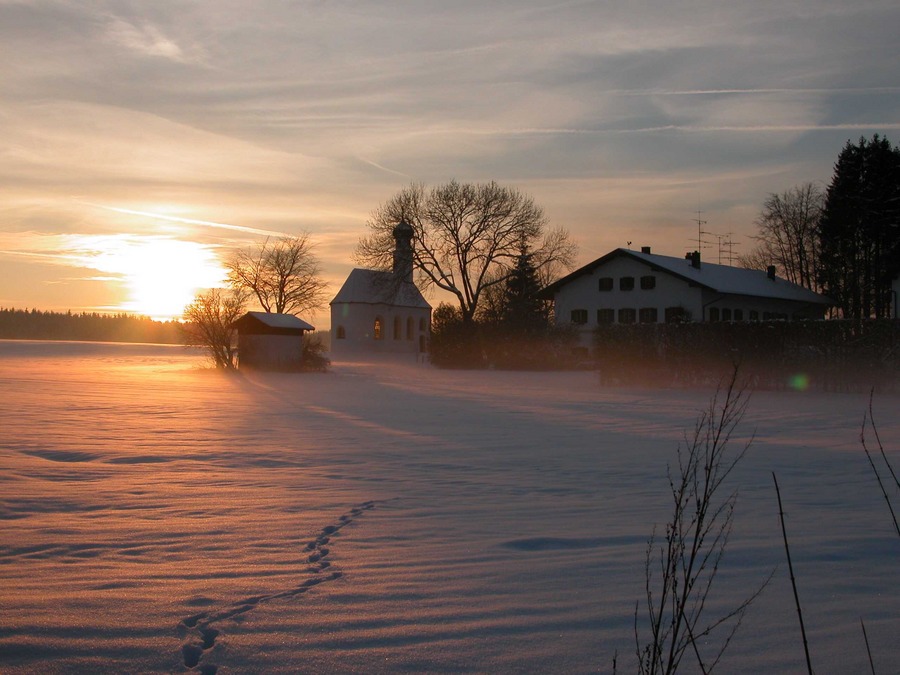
(221, 122)
(191, 221)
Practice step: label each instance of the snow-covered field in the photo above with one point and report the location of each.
(157, 516)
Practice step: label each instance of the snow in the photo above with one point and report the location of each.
(158, 516)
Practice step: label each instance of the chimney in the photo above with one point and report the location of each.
(694, 258)
(770, 272)
(403, 251)
(645, 249)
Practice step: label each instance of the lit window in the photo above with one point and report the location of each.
(648, 283)
(579, 316)
(378, 329)
(626, 283)
(606, 283)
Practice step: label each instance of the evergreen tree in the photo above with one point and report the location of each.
(859, 234)
(522, 309)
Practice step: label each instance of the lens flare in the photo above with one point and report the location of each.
(799, 382)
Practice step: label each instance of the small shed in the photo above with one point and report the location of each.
(268, 341)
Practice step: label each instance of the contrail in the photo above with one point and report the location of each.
(190, 221)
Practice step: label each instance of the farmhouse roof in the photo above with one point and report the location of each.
(717, 278)
(273, 321)
(376, 287)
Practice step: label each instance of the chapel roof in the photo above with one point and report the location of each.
(376, 287)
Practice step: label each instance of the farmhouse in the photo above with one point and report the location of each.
(626, 286)
(381, 312)
(268, 341)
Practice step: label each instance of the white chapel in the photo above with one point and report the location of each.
(381, 312)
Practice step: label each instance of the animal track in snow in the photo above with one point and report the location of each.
(201, 635)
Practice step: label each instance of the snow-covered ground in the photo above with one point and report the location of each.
(156, 516)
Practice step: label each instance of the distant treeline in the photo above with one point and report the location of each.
(33, 324)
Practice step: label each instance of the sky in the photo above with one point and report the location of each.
(143, 142)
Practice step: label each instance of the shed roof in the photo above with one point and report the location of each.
(273, 320)
(717, 278)
(375, 287)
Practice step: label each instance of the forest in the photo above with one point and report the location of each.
(34, 324)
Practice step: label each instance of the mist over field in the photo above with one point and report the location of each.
(159, 516)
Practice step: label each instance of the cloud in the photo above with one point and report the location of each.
(226, 121)
(146, 39)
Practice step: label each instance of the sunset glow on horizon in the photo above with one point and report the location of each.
(164, 138)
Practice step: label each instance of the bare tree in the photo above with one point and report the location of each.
(681, 567)
(466, 237)
(209, 323)
(788, 235)
(284, 275)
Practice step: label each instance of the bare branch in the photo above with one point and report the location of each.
(466, 237)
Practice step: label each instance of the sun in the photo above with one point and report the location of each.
(160, 274)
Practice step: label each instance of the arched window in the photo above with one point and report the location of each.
(397, 328)
(422, 325)
(378, 329)
(410, 328)
(340, 333)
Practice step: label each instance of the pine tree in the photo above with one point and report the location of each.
(522, 309)
(859, 234)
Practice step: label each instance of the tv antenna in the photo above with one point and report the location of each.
(701, 242)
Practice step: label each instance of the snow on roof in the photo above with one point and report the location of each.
(279, 320)
(377, 287)
(718, 278)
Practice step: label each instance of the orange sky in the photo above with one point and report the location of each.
(142, 143)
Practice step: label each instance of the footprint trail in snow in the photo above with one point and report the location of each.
(200, 635)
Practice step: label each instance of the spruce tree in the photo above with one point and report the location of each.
(859, 234)
(522, 309)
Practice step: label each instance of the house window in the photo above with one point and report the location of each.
(738, 315)
(675, 314)
(605, 316)
(648, 315)
(713, 314)
(754, 315)
(626, 283)
(378, 329)
(606, 283)
(410, 328)
(579, 316)
(340, 333)
(422, 325)
(648, 283)
(627, 315)
(398, 329)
